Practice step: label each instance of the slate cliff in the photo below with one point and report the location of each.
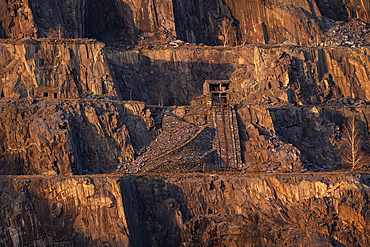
(190, 210)
(301, 22)
(99, 146)
(78, 68)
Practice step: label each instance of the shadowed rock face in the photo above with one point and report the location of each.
(197, 210)
(108, 21)
(345, 11)
(262, 77)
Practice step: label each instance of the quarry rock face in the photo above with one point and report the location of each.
(316, 131)
(265, 78)
(16, 20)
(297, 75)
(57, 137)
(48, 215)
(126, 21)
(313, 132)
(268, 75)
(191, 210)
(117, 118)
(76, 68)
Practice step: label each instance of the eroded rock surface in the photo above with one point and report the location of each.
(285, 136)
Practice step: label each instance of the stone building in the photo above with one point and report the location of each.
(47, 92)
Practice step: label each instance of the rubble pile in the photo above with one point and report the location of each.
(353, 34)
(349, 101)
(164, 143)
(151, 44)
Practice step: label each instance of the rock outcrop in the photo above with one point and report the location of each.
(16, 19)
(276, 87)
(72, 139)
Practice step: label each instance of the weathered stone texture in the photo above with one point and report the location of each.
(345, 11)
(171, 76)
(284, 136)
(61, 212)
(316, 130)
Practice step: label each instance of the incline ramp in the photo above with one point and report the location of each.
(195, 147)
(226, 142)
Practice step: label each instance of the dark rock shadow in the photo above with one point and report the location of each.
(190, 24)
(242, 134)
(110, 21)
(365, 179)
(2, 32)
(316, 135)
(98, 152)
(107, 21)
(134, 213)
(334, 9)
(156, 210)
(173, 83)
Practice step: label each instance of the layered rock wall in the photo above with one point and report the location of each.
(315, 73)
(262, 76)
(62, 211)
(173, 76)
(344, 10)
(109, 21)
(16, 19)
